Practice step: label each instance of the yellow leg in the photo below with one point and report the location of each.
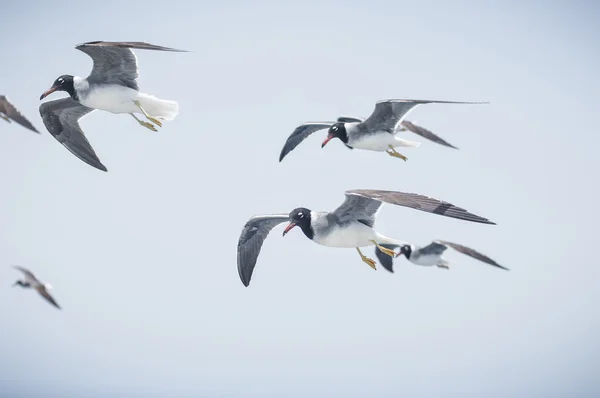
(5, 117)
(366, 259)
(152, 119)
(149, 126)
(392, 152)
(385, 250)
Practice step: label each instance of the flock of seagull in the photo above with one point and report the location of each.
(112, 86)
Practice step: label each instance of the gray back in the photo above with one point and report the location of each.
(356, 208)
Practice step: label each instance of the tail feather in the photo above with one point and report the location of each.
(386, 261)
(164, 109)
(406, 143)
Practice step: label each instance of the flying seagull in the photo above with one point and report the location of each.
(30, 281)
(8, 112)
(405, 125)
(348, 226)
(111, 86)
(432, 255)
(376, 133)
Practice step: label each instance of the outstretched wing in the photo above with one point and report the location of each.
(423, 132)
(114, 62)
(420, 202)
(471, 253)
(251, 240)
(44, 293)
(300, 134)
(357, 208)
(13, 113)
(61, 118)
(29, 276)
(389, 113)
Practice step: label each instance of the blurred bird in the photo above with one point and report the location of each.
(30, 281)
(432, 255)
(8, 112)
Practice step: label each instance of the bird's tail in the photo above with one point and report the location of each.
(157, 107)
(407, 143)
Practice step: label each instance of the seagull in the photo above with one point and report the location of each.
(432, 255)
(405, 125)
(30, 281)
(348, 226)
(376, 133)
(111, 86)
(8, 112)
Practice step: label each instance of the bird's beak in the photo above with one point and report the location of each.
(329, 138)
(48, 92)
(288, 228)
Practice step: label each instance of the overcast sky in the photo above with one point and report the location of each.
(143, 258)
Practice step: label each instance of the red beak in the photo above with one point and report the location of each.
(329, 138)
(288, 228)
(48, 92)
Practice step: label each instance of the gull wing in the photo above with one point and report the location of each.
(388, 114)
(115, 62)
(61, 118)
(29, 276)
(44, 293)
(300, 134)
(251, 240)
(423, 132)
(471, 253)
(420, 202)
(13, 113)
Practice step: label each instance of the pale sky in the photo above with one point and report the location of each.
(143, 258)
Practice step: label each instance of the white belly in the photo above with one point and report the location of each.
(427, 260)
(355, 235)
(111, 98)
(379, 142)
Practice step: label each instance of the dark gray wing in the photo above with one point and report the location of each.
(300, 134)
(44, 293)
(471, 253)
(251, 240)
(425, 133)
(349, 119)
(13, 113)
(433, 249)
(386, 261)
(420, 202)
(61, 118)
(114, 62)
(28, 274)
(357, 208)
(389, 113)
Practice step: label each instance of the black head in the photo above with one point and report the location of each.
(63, 83)
(21, 283)
(406, 250)
(338, 130)
(300, 217)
